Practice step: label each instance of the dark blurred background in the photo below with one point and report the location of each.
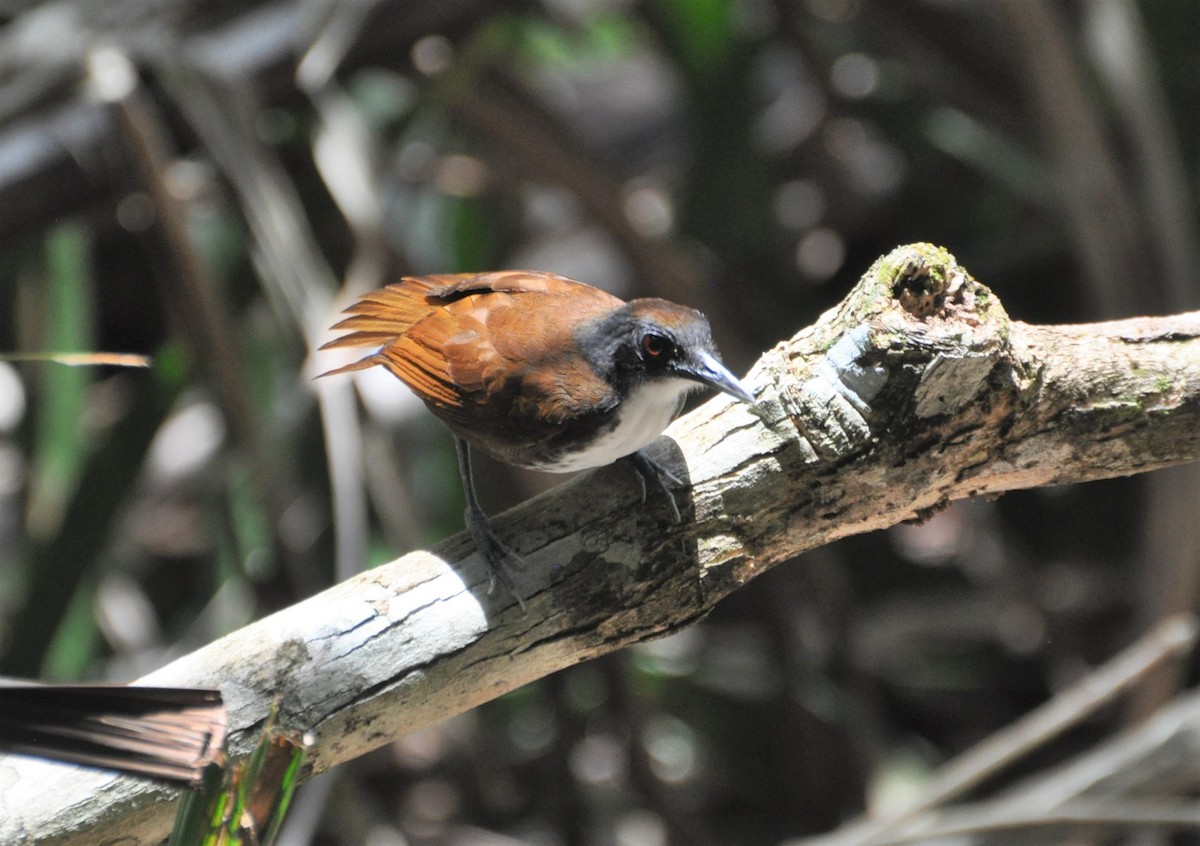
(201, 181)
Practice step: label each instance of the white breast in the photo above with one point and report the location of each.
(644, 414)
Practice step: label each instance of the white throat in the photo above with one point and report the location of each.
(643, 415)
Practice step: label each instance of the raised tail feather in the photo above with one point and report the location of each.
(382, 316)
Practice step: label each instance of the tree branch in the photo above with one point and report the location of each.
(918, 389)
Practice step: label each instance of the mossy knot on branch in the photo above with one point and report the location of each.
(916, 340)
(926, 281)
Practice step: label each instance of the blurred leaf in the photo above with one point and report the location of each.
(270, 782)
(201, 811)
(703, 34)
(75, 642)
(246, 803)
(82, 359)
(250, 524)
(382, 96)
(473, 242)
(606, 37)
(58, 448)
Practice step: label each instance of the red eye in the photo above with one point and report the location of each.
(655, 346)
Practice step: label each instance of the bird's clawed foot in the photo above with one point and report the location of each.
(650, 471)
(496, 554)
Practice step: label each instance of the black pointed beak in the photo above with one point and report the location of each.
(705, 368)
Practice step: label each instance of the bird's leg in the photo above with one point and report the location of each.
(649, 470)
(494, 551)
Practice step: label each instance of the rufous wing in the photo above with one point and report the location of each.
(414, 322)
(458, 340)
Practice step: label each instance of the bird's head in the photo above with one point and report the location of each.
(651, 340)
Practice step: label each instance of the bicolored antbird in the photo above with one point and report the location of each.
(538, 371)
